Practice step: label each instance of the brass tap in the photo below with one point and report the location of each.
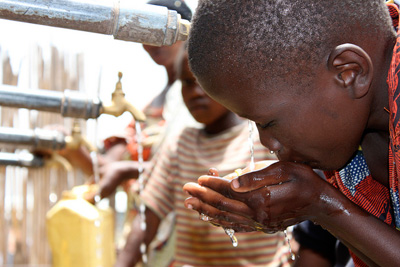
(76, 140)
(119, 104)
(56, 160)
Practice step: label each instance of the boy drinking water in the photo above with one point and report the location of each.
(320, 79)
(222, 143)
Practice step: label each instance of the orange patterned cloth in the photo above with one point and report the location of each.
(394, 123)
(356, 183)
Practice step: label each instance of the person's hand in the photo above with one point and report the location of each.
(114, 173)
(267, 200)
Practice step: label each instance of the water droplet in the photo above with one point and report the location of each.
(144, 258)
(143, 226)
(231, 234)
(251, 144)
(142, 208)
(293, 257)
(204, 217)
(143, 248)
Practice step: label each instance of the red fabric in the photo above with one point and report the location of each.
(370, 195)
(394, 126)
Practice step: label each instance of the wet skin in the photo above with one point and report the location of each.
(262, 202)
(320, 129)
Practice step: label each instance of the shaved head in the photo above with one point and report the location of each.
(278, 39)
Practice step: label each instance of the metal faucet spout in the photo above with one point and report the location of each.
(119, 104)
(76, 139)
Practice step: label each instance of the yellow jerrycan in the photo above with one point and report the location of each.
(80, 233)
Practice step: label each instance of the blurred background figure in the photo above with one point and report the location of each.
(166, 115)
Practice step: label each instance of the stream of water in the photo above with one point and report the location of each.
(252, 166)
(251, 145)
(142, 207)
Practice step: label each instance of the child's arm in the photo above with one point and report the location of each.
(114, 173)
(79, 158)
(287, 193)
(130, 255)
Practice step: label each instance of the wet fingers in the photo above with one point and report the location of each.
(220, 218)
(216, 200)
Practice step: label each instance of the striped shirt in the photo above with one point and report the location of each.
(198, 243)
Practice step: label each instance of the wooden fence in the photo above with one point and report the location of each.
(26, 194)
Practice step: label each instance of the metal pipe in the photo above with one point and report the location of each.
(124, 19)
(68, 103)
(37, 139)
(21, 160)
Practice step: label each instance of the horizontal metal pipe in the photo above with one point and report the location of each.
(68, 103)
(36, 139)
(93, 16)
(21, 159)
(44, 100)
(77, 105)
(124, 19)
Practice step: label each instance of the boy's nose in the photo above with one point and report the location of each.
(271, 143)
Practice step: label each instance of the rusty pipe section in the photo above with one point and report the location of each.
(124, 19)
(37, 138)
(21, 160)
(68, 103)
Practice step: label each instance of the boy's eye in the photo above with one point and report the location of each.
(265, 125)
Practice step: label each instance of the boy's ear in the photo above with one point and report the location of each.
(352, 68)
